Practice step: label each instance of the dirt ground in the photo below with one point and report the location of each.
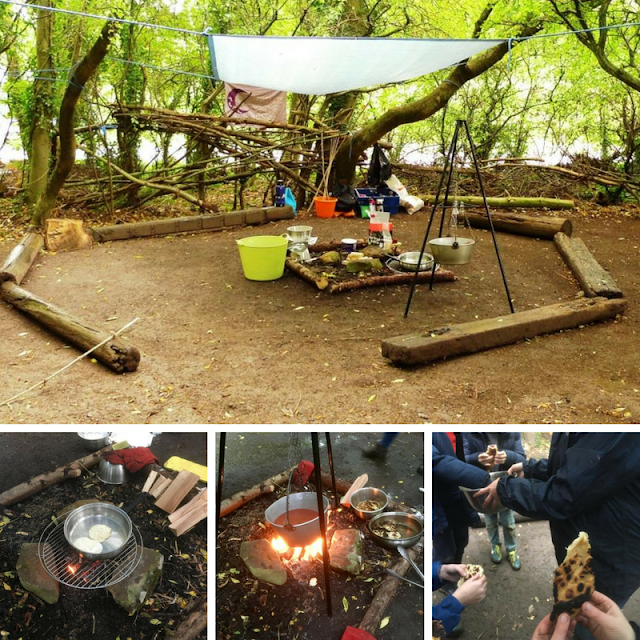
(217, 348)
(504, 613)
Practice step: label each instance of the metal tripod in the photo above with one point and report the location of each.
(318, 481)
(448, 171)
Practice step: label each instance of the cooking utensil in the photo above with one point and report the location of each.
(298, 233)
(110, 473)
(403, 552)
(305, 533)
(94, 440)
(79, 522)
(476, 503)
(409, 261)
(397, 575)
(452, 250)
(369, 493)
(409, 526)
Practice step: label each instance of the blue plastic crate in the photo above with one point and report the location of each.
(391, 199)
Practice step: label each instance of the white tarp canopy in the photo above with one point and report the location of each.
(317, 66)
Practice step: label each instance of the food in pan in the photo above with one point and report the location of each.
(387, 530)
(87, 545)
(100, 532)
(368, 505)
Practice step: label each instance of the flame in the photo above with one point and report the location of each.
(71, 569)
(279, 545)
(302, 554)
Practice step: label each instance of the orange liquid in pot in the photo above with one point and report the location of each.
(297, 516)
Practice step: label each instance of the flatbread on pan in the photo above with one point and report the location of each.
(472, 570)
(574, 580)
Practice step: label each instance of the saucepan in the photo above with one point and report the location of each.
(304, 533)
(78, 525)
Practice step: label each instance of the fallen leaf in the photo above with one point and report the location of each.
(530, 608)
(384, 622)
(155, 621)
(6, 586)
(372, 398)
(345, 603)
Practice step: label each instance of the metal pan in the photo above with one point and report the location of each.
(79, 522)
(410, 525)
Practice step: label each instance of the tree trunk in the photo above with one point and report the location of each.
(507, 202)
(418, 109)
(67, 150)
(21, 258)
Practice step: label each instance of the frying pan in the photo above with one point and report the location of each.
(78, 523)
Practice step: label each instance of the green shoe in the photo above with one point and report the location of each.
(514, 560)
(496, 553)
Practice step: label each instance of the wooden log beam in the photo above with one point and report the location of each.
(470, 337)
(307, 274)
(21, 258)
(544, 227)
(41, 482)
(593, 278)
(507, 203)
(386, 591)
(441, 275)
(116, 353)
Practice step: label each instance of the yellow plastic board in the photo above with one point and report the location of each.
(178, 464)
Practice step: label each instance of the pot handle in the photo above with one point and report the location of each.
(133, 504)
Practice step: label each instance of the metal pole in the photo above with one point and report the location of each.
(333, 475)
(222, 445)
(414, 282)
(323, 527)
(486, 206)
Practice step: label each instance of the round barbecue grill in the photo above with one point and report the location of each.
(66, 565)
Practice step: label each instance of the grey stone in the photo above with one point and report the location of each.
(263, 561)
(234, 218)
(33, 575)
(131, 592)
(255, 216)
(346, 551)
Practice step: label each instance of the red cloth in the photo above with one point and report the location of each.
(452, 437)
(351, 633)
(133, 459)
(302, 473)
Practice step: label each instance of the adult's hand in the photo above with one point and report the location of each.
(491, 492)
(452, 572)
(472, 591)
(603, 618)
(548, 630)
(517, 469)
(501, 457)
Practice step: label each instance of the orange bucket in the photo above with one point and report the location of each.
(325, 206)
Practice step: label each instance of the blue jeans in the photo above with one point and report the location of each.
(387, 439)
(508, 523)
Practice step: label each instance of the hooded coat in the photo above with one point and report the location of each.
(509, 441)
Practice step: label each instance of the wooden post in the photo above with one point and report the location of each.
(21, 258)
(593, 279)
(41, 482)
(116, 354)
(470, 337)
(521, 224)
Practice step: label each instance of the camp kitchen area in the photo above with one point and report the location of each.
(110, 544)
(330, 548)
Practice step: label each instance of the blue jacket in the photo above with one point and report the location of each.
(449, 610)
(450, 508)
(509, 441)
(591, 482)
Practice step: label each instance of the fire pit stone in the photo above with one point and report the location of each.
(346, 550)
(263, 561)
(33, 575)
(131, 592)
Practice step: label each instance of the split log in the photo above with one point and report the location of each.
(116, 354)
(441, 275)
(180, 487)
(182, 511)
(386, 591)
(593, 278)
(307, 274)
(544, 227)
(470, 337)
(41, 482)
(21, 258)
(190, 519)
(507, 203)
(151, 478)
(160, 486)
(193, 625)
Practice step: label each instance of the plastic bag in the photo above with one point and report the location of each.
(410, 203)
(290, 200)
(379, 167)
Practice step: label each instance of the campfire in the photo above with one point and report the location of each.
(297, 554)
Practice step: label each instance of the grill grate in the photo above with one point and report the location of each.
(66, 565)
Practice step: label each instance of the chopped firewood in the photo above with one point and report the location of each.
(183, 510)
(160, 486)
(190, 519)
(150, 480)
(173, 496)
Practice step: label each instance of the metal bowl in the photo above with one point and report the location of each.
(94, 440)
(110, 473)
(413, 529)
(369, 493)
(80, 520)
(450, 250)
(299, 233)
(476, 503)
(409, 261)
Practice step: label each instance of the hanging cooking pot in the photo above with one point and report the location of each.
(112, 536)
(452, 249)
(299, 525)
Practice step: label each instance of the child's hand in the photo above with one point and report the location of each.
(453, 572)
(603, 618)
(472, 591)
(484, 459)
(560, 630)
(501, 457)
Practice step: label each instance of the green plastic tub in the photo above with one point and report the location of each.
(263, 257)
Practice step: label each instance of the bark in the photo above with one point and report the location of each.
(421, 109)
(507, 202)
(241, 498)
(116, 354)
(441, 275)
(307, 274)
(193, 625)
(43, 109)
(21, 258)
(41, 482)
(520, 224)
(67, 144)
